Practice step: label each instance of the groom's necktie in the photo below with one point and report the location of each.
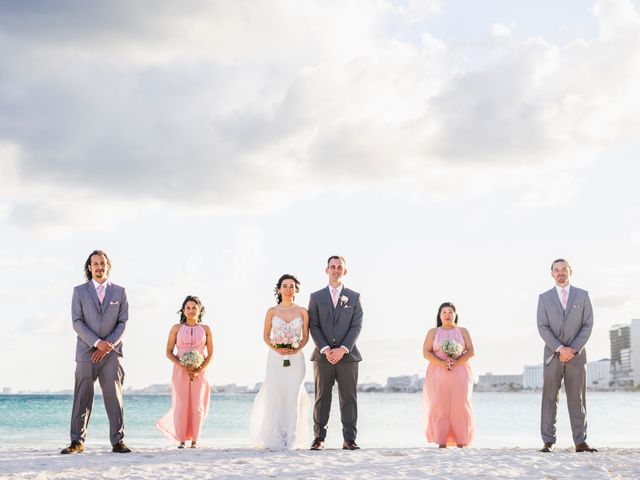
(564, 298)
(334, 296)
(100, 292)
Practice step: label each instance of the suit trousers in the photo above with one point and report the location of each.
(110, 374)
(346, 374)
(574, 374)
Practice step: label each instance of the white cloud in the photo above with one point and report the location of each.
(216, 103)
(500, 30)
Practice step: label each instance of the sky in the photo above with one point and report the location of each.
(450, 150)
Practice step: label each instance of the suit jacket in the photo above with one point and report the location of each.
(570, 328)
(93, 321)
(333, 327)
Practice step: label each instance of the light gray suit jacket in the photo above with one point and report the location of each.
(334, 327)
(570, 328)
(93, 321)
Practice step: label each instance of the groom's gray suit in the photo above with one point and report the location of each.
(335, 327)
(93, 321)
(569, 328)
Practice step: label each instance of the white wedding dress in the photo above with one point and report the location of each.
(279, 416)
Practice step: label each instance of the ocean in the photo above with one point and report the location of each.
(385, 420)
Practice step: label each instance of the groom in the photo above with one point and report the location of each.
(99, 313)
(335, 320)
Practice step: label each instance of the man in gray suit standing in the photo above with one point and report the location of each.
(99, 312)
(335, 320)
(565, 320)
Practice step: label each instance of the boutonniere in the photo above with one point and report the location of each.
(343, 299)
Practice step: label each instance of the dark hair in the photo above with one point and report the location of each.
(87, 264)
(286, 276)
(558, 260)
(445, 305)
(196, 300)
(336, 257)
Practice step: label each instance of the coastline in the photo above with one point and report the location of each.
(406, 463)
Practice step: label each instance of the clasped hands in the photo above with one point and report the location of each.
(566, 354)
(334, 355)
(192, 371)
(449, 363)
(102, 350)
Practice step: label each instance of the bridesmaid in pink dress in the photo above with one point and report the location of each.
(448, 383)
(190, 389)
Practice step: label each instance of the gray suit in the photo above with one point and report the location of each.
(569, 328)
(335, 327)
(93, 321)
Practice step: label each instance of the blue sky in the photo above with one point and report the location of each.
(450, 150)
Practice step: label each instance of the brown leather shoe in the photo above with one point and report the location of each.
(75, 447)
(350, 445)
(318, 444)
(584, 447)
(548, 447)
(120, 447)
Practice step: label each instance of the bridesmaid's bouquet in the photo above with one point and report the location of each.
(451, 349)
(192, 358)
(286, 340)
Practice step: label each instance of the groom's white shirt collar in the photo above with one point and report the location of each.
(95, 284)
(339, 289)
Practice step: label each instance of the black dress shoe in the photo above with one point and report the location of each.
(548, 447)
(350, 445)
(584, 447)
(120, 447)
(318, 444)
(75, 447)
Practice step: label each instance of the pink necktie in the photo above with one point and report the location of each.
(564, 298)
(100, 291)
(334, 297)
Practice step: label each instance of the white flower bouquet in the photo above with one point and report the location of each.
(192, 359)
(451, 349)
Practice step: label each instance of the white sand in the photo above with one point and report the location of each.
(161, 463)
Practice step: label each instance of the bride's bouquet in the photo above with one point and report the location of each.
(451, 349)
(286, 340)
(192, 358)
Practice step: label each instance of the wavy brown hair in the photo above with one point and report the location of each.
(197, 301)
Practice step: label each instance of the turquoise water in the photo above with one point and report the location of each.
(385, 420)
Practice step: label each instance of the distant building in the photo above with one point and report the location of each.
(370, 387)
(491, 381)
(598, 376)
(532, 377)
(625, 354)
(404, 383)
(155, 389)
(6, 390)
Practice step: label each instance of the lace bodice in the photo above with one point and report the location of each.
(286, 332)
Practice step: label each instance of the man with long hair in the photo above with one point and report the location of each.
(99, 313)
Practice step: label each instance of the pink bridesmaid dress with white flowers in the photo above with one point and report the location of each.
(447, 397)
(189, 399)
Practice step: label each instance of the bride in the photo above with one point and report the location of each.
(279, 415)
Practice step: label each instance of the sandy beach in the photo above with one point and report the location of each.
(330, 464)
